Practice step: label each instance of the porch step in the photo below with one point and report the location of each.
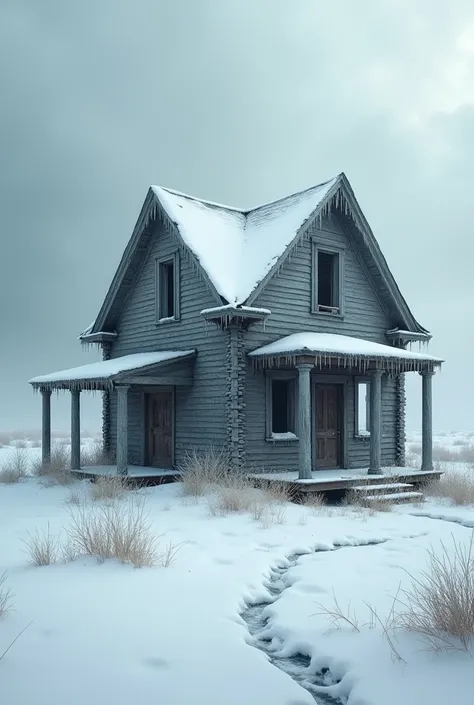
(394, 497)
(388, 487)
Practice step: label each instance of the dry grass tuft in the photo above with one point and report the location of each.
(458, 486)
(236, 495)
(15, 467)
(439, 606)
(203, 469)
(42, 548)
(58, 470)
(74, 496)
(113, 530)
(315, 501)
(110, 488)
(6, 596)
(94, 455)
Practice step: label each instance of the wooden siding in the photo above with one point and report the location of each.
(200, 414)
(288, 296)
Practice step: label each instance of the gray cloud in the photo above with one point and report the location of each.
(241, 102)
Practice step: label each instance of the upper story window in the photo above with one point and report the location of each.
(327, 281)
(167, 288)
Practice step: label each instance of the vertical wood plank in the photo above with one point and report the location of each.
(304, 420)
(75, 429)
(122, 430)
(46, 426)
(375, 422)
(427, 421)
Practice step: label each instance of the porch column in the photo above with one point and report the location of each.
(375, 422)
(46, 427)
(427, 421)
(304, 421)
(122, 430)
(75, 429)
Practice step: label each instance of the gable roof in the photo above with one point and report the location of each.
(239, 250)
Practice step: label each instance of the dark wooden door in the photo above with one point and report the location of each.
(159, 438)
(328, 426)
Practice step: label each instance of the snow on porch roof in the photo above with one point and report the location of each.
(236, 247)
(100, 375)
(348, 351)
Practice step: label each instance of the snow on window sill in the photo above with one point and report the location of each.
(327, 314)
(364, 435)
(170, 319)
(282, 437)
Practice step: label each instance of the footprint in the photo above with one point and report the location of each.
(223, 561)
(311, 589)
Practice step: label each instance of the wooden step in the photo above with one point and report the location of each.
(394, 497)
(387, 486)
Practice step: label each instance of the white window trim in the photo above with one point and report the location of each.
(270, 376)
(315, 249)
(173, 257)
(357, 381)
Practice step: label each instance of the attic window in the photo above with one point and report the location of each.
(327, 281)
(167, 285)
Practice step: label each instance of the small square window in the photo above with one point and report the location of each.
(362, 409)
(167, 287)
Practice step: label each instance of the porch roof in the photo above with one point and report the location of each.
(328, 349)
(102, 375)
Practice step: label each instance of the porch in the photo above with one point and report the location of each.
(322, 367)
(152, 377)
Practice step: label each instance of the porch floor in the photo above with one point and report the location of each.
(134, 471)
(340, 479)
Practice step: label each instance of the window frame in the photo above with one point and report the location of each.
(316, 248)
(159, 262)
(357, 382)
(270, 377)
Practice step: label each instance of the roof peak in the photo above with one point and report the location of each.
(245, 211)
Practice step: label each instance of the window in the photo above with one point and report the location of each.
(281, 407)
(167, 288)
(362, 409)
(327, 281)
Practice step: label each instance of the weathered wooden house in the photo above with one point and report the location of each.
(278, 333)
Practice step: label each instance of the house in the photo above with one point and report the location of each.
(278, 333)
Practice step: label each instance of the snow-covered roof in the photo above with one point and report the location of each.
(99, 375)
(237, 248)
(348, 351)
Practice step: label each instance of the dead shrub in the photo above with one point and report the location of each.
(439, 605)
(108, 488)
(466, 454)
(94, 455)
(5, 438)
(6, 596)
(113, 530)
(42, 547)
(15, 467)
(458, 486)
(58, 470)
(314, 500)
(234, 496)
(201, 470)
(445, 454)
(414, 448)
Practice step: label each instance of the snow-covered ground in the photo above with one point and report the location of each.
(198, 631)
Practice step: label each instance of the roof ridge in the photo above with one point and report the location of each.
(246, 211)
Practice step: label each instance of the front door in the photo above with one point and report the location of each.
(328, 426)
(159, 426)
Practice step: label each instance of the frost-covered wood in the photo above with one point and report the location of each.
(46, 426)
(75, 430)
(304, 421)
(427, 421)
(122, 430)
(375, 422)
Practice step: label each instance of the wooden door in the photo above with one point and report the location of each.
(328, 415)
(160, 435)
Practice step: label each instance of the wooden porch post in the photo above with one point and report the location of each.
(46, 426)
(75, 429)
(427, 421)
(122, 430)
(304, 420)
(375, 422)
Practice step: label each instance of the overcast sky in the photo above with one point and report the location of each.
(237, 101)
